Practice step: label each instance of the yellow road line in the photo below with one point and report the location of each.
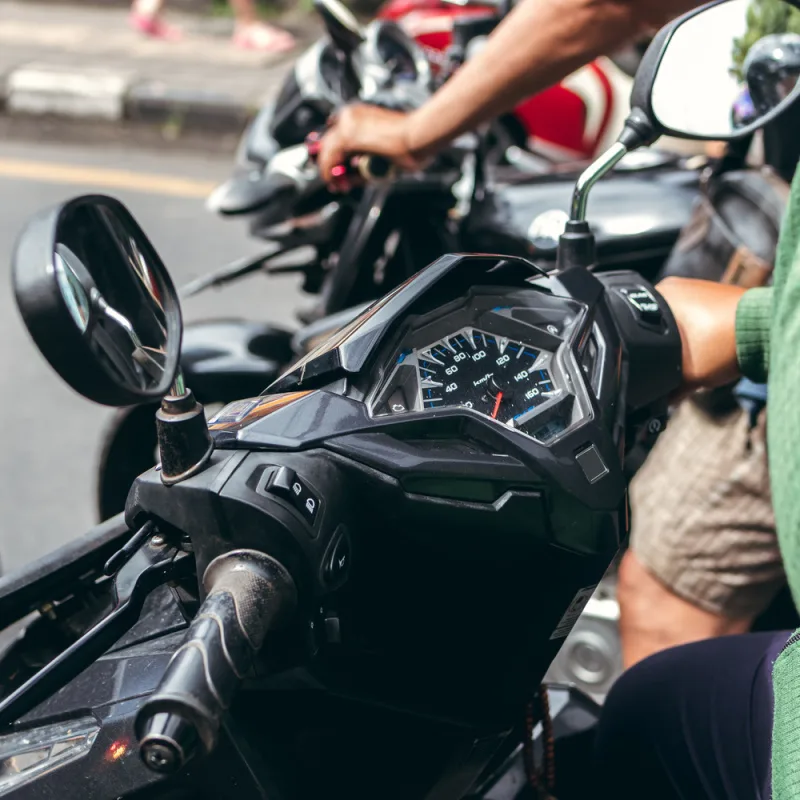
(98, 177)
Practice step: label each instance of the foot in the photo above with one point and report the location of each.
(263, 37)
(154, 27)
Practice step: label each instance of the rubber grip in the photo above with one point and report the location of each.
(248, 592)
(375, 168)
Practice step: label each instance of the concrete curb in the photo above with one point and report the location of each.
(114, 96)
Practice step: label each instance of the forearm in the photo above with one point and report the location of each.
(538, 44)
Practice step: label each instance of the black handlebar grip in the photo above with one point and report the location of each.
(374, 168)
(247, 594)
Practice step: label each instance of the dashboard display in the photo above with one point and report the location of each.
(493, 375)
(505, 379)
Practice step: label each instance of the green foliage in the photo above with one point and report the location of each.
(764, 17)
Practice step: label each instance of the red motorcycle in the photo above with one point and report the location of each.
(571, 120)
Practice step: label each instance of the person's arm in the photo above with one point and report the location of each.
(538, 44)
(707, 315)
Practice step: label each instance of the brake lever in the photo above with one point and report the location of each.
(230, 272)
(150, 566)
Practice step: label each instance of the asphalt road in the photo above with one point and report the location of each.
(50, 435)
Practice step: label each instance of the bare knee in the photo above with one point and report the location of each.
(653, 618)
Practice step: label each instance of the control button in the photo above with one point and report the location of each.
(333, 628)
(287, 484)
(281, 482)
(340, 559)
(312, 640)
(337, 561)
(644, 305)
(593, 466)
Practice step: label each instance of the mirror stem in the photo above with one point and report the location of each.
(589, 177)
(184, 443)
(576, 246)
(179, 386)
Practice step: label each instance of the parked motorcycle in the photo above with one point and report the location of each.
(357, 550)
(575, 119)
(354, 247)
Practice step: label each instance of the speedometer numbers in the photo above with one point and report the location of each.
(502, 378)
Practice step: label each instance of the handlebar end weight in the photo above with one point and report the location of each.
(168, 742)
(248, 594)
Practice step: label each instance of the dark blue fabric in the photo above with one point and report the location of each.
(752, 397)
(693, 722)
(746, 389)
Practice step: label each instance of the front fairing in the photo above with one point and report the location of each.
(257, 145)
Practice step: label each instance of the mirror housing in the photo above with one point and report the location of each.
(644, 126)
(100, 305)
(341, 25)
(98, 301)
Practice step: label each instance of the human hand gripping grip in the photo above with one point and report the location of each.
(248, 593)
(367, 168)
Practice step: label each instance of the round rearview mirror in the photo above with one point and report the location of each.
(98, 301)
(726, 70)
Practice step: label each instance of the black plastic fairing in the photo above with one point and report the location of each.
(421, 540)
(338, 418)
(254, 191)
(445, 279)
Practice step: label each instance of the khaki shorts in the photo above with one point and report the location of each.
(702, 512)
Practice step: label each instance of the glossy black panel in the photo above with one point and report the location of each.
(224, 360)
(440, 282)
(636, 217)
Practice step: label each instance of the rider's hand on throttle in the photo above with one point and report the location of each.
(365, 130)
(706, 315)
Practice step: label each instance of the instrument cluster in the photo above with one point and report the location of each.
(513, 365)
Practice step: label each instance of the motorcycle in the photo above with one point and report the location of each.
(575, 119)
(350, 248)
(327, 588)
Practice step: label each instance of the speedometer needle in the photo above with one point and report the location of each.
(497, 402)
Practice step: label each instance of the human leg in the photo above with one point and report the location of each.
(146, 18)
(704, 558)
(691, 722)
(253, 34)
(653, 618)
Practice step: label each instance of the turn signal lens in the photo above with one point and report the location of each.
(27, 755)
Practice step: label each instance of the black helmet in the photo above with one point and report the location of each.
(771, 69)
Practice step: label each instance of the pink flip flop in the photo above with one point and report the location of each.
(264, 38)
(155, 27)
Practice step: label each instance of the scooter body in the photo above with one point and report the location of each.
(102, 703)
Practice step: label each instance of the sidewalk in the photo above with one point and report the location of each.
(86, 63)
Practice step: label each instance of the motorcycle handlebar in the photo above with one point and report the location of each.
(248, 593)
(369, 168)
(374, 168)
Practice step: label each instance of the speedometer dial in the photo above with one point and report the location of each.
(502, 378)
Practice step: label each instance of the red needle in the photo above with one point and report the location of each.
(497, 405)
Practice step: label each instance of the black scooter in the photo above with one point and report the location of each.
(354, 247)
(326, 590)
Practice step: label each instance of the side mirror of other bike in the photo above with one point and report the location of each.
(98, 301)
(341, 25)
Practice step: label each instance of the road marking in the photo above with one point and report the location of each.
(98, 177)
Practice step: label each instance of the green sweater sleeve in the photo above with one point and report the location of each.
(768, 335)
(753, 316)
